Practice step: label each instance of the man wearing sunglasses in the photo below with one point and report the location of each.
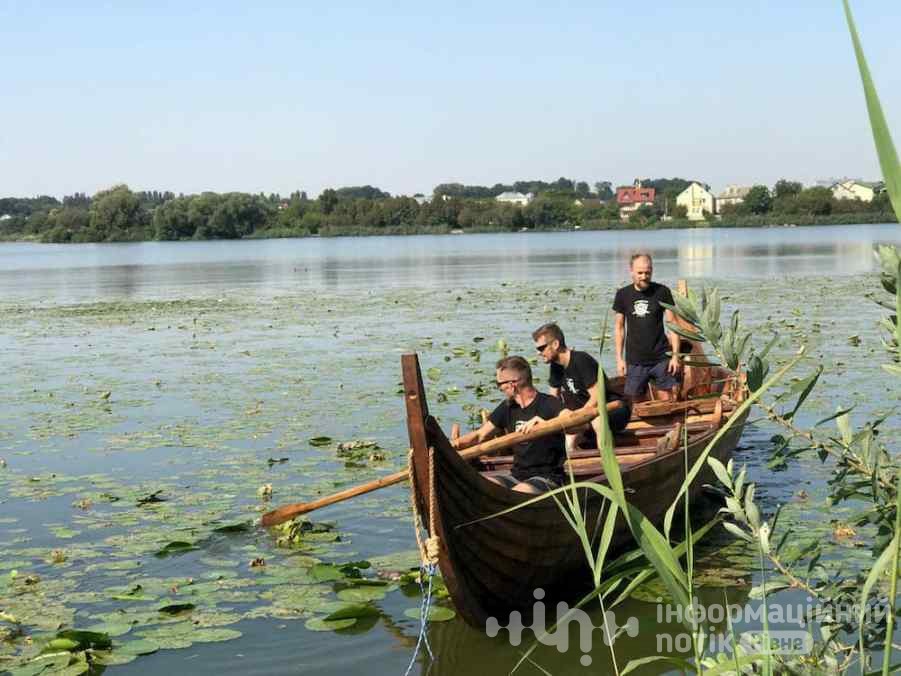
(574, 380)
(537, 463)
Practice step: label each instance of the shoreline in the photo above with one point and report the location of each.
(329, 231)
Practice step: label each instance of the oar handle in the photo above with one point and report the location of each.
(558, 424)
(288, 512)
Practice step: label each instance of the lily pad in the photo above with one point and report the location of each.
(320, 624)
(176, 547)
(355, 610)
(436, 614)
(214, 635)
(177, 608)
(362, 594)
(320, 441)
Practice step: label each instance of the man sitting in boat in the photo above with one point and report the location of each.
(639, 328)
(537, 463)
(574, 380)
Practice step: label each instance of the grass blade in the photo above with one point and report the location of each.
(885, 148)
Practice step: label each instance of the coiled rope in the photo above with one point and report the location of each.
(428, 556)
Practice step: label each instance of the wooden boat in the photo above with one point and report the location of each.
(493, 567)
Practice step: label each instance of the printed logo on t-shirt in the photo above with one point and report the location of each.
(571, 384)
(640, 308)
(519, 425)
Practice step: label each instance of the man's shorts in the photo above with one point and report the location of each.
(507, 480)
(638, 375)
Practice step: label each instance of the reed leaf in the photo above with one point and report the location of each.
(885, 147)
(737, 414)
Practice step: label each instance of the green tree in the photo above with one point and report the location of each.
(785, 188)
(328, 200)
(758, 200)
(115, 213)
(604, 190)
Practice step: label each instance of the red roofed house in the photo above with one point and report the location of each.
(630, 198)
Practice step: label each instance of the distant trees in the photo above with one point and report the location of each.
(119, 214)
(758, 200)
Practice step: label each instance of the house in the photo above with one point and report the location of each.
(5, 217)
(856, 190)
(588, 202)
(697, 200)
(515, 198)
(629, 199)
(732, 195)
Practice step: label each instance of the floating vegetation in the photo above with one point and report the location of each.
(134, 515)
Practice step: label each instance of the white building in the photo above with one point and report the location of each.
(697, 200)
(515, 198)
(856, 190)
(732, 195)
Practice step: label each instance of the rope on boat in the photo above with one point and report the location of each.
(428, 556)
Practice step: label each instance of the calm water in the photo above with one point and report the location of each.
(75, 273)
(269, 343)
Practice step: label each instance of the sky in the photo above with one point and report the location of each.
(405, 95)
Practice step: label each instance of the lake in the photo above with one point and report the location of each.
(157, 393)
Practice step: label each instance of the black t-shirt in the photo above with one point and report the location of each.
(574, 381)
(645, 338)
(538, 457)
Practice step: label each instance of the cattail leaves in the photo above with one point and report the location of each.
(885, 147)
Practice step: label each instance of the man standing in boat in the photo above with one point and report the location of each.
(537, 463)
(574, 380)
(639, 328)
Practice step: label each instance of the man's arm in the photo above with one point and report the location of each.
(486, 431)
(674, 365)
(619, 341)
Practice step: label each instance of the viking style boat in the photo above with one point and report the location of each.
(493, 566)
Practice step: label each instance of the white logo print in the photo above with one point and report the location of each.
(571, 384)
(560, 636)
(640, 308)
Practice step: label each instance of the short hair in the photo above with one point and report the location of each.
(641, 254)
(517, 364)
(552, 331)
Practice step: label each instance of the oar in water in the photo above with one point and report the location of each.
(558, 424)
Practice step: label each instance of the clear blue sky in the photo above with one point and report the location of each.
(405, 95)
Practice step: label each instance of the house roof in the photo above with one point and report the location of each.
(632, 195)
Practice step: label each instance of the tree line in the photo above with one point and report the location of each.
(120, 214)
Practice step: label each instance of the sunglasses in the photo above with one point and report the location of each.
(540, 348)
(501, 383)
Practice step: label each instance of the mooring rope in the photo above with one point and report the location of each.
(428, 557)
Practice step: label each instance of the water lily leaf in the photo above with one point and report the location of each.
(434, 374)
(176, 547)
(142, 646)
(85, 639)
(355, 610)
(176, 608)
(112, 629)
(320, 441)
(320, 624)
(325, 572)
(213, 635)
(242, 527)
(362, 594)
(436, 614)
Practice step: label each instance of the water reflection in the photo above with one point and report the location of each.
(78, 273)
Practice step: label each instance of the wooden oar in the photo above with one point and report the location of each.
(558, 424)
(651, 409)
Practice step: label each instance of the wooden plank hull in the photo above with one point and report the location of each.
(492, 567)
